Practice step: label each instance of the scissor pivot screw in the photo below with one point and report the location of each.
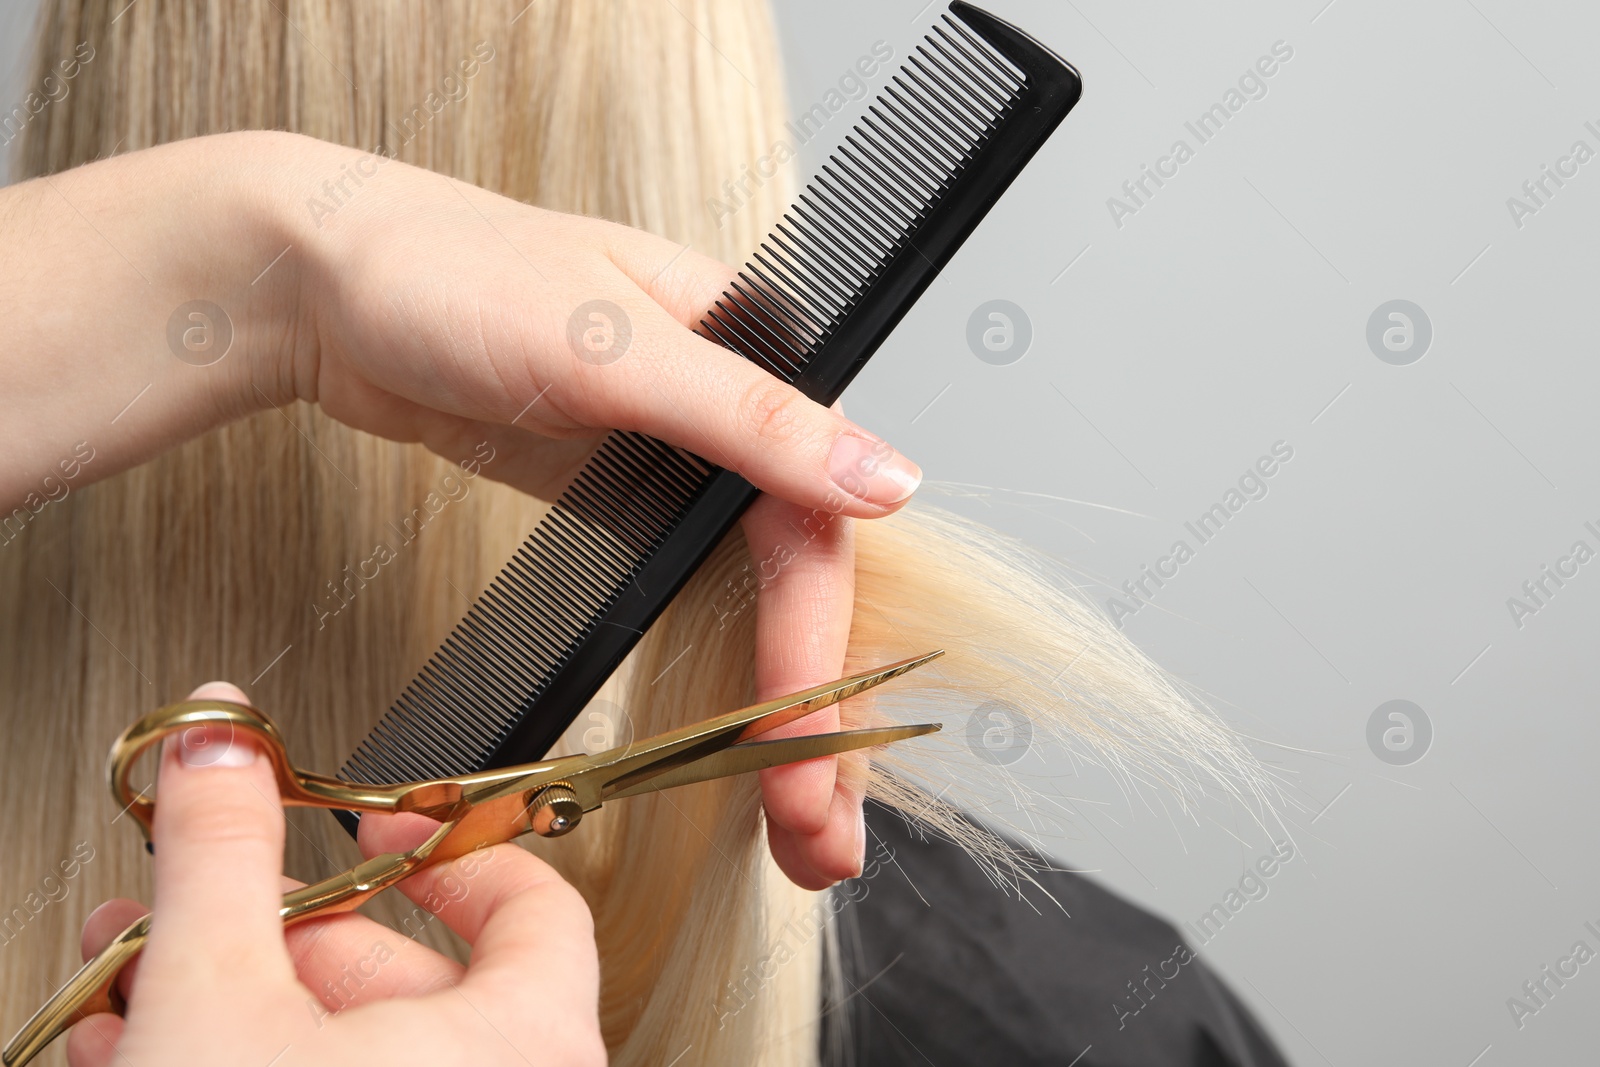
(555, 811)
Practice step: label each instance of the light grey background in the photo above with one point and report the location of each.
(1229, 313)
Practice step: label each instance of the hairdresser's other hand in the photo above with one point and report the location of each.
(200, 280)
(437, 312)
(218, 983)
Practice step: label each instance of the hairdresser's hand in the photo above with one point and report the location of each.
(422, 309)
(434, 311)
(405, 303)
(219, 983)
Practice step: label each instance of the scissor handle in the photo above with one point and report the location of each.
(93, 988)
(297, 787)
(91, 991)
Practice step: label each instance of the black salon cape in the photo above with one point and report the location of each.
(943, 968)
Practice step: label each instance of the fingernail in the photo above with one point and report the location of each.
(871, 470)
(215, 746)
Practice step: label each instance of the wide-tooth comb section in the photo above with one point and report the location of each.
(950, 129)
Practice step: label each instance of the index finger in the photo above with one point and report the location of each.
(696, 391)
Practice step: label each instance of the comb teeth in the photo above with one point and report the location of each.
(860, 211)
(939, 144)
(539, 608)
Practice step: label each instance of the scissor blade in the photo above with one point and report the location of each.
(620, 767)
(758, 755)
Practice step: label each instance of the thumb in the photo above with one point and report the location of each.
(218, 833)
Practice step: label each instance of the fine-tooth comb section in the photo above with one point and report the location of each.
(939, 144)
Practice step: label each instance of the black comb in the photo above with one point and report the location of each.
(958, 121)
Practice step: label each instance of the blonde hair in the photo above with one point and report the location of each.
(208, 562)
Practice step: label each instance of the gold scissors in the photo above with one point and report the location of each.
(474, 811)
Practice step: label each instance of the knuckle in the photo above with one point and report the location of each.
(774, 412)
(224, 820)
